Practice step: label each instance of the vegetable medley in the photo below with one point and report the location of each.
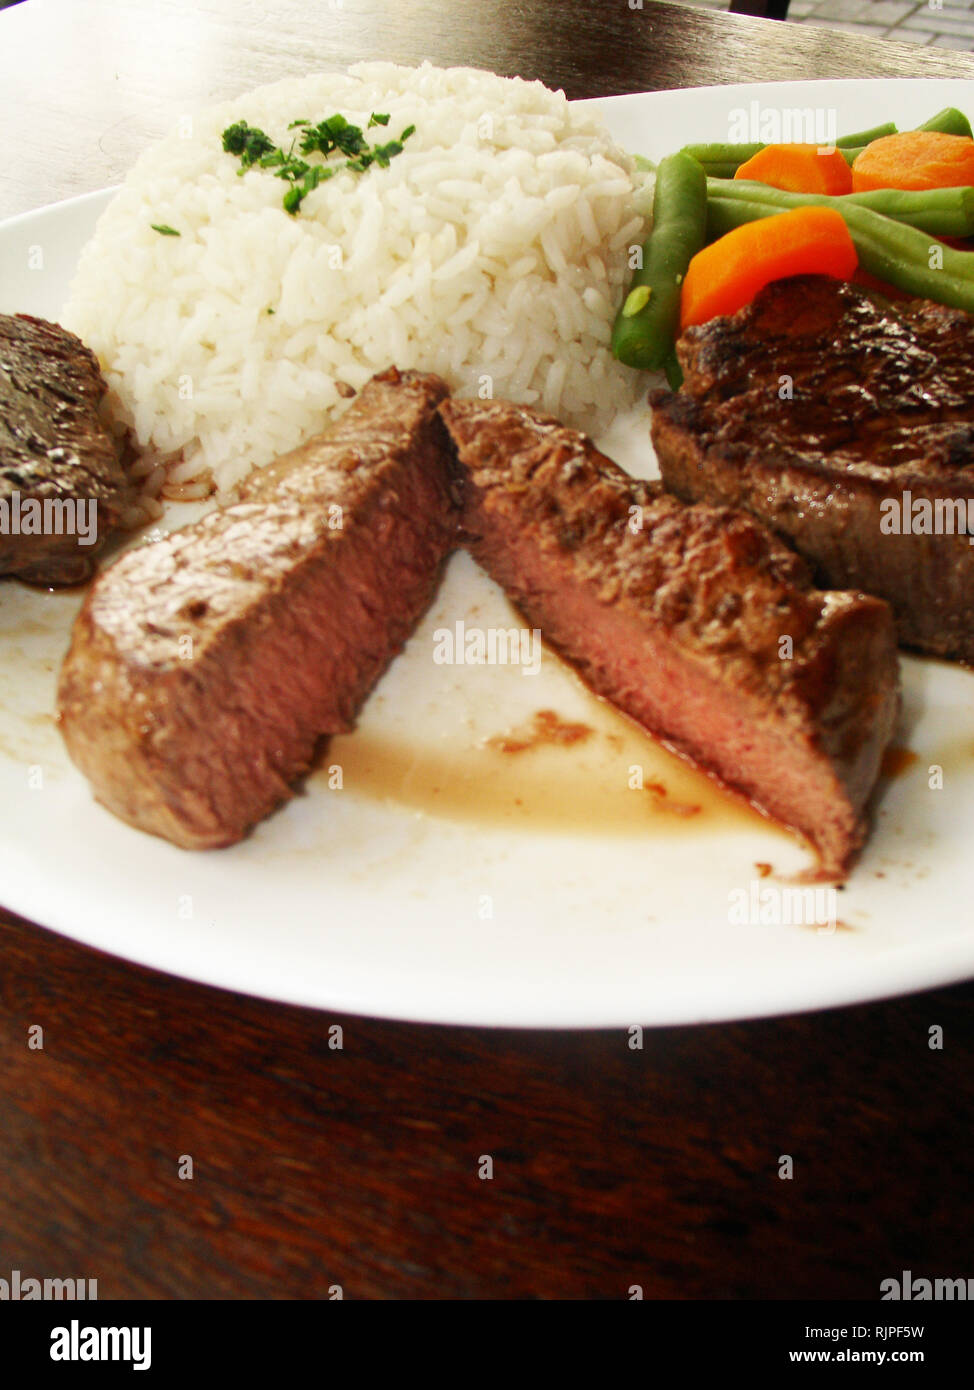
(883, 206)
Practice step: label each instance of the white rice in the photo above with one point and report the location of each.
(493, 250)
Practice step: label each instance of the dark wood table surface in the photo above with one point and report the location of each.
(359, 1168)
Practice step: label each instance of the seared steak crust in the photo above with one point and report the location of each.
(679, 615)
(203, 668)
(812, 408)
(53, 445)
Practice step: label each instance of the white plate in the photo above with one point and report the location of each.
(584, 905)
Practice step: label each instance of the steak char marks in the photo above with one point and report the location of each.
(677, 614)
(55, 451)
(204, 668)
(813, 407)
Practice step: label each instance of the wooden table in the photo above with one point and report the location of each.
(358, 1168)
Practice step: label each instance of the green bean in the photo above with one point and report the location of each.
(937, 211)
(646, 326)
(949, 121)
(902, 256)
(723, 169)
(673, 370)
(865, 137)
(721, 161)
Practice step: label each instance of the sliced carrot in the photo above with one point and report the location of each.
(799, 169)
(728, 273)
(915, 159)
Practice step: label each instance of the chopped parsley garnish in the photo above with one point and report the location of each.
(246, 141)
(163, 230)
(334, 135)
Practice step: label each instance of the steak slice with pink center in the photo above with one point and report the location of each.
(204, 668)
(694, 620)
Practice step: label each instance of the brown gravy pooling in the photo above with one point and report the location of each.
(603, 775)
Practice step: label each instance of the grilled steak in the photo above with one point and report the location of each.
(840, 421)
(204, 668)
(62, 484)
(678, 613)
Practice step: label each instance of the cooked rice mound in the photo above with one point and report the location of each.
(493, 250)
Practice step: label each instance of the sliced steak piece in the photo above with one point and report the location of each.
(204, 668)
(678, 615)
(62, 483)
(824, 411)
